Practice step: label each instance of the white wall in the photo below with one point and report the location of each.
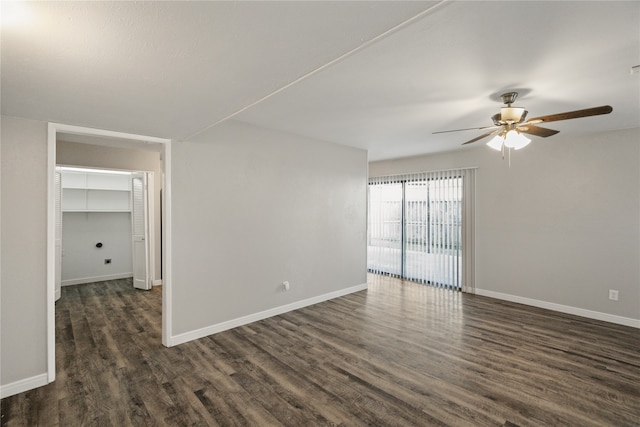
(561, 226)
(252, 208)
(23, 227)
(98, 156)
(82, 261)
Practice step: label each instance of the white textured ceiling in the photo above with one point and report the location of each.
(173, 69)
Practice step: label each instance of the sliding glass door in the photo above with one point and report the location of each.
(416, 227)
(384, 253)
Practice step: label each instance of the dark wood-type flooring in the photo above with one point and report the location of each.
(399, 354)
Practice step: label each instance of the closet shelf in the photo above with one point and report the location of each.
(95, 189)
(95, 192)
(95, 210)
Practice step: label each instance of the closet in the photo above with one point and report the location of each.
(101, 226)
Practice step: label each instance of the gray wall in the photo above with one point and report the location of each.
(252, 208)
(24, 249)
(99, 156)
(562, 225)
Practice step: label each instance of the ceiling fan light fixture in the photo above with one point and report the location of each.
(511, 114)
(496, 142)
(516, 140)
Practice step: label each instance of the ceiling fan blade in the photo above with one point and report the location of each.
(458, 130)
(596, 111)
(537, 131)
(484, 135)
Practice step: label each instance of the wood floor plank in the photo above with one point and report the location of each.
(185, 409)
(397, 354)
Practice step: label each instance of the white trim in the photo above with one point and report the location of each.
(234, 323)
(166, 248)
(82, 280)
(80, 130)
(21, 386)
(51, 252)
(157, 282)
(53, 129)
(151, 225)
(591, 314)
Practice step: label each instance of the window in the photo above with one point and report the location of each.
(420, 226)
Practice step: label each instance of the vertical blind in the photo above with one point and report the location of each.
(420, 227)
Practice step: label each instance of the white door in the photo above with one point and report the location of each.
(58, 245)
(140, 231)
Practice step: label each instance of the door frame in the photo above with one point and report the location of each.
(165, 144)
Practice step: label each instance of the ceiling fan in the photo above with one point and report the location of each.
(511, 123)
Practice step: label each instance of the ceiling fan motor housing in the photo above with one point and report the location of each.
(511, 114)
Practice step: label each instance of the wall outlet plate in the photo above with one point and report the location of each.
(613, 294)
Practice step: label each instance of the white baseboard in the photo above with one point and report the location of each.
(23, 385)
(234, 323)
(83, 280)
(597, 315)
(157, 282)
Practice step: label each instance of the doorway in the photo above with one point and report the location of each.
(105, 138)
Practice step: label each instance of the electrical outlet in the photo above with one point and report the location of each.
(613, 294)
(286, 286)
(107, 261)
